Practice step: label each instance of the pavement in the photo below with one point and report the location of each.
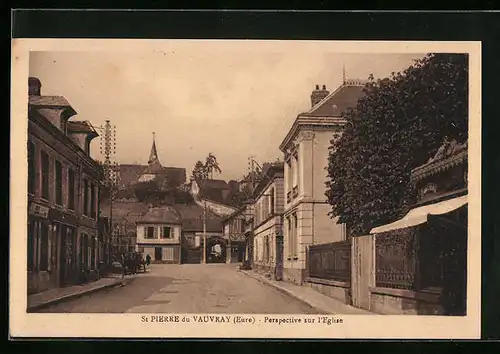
(187, 288)
(319, 302)
(55, 296)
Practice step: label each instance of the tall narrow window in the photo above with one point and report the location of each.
(44, 248)
(31, 168)
(92, 200)
(59, 185)
(289, 236)
(71, 189)
(271, 202)
(295, 235)
(92, 253)
(150, 232)
(167, 232)
(295, 164)
(45, 175)
(31, 245)
(85, 197)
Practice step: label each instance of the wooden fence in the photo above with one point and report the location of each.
(330, 261)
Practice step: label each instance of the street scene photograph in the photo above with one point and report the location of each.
(242, 179)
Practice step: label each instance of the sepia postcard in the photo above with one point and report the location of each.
(245, 189)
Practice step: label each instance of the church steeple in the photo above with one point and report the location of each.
(153, 155)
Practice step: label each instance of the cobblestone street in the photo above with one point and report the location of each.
(189, 288)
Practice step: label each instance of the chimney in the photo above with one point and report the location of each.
(318, 95)
(34, 86)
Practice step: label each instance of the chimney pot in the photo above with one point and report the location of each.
(34, 86)
(318, 95)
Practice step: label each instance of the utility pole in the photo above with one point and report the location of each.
(204, 231)
(108, 151)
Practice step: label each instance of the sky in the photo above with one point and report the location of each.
(230, 101)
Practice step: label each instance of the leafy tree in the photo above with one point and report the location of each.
(148, 191)
(212, 165)
(199, 171)
(399, 123)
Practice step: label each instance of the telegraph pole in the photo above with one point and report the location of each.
(108, 151)
(204, 231)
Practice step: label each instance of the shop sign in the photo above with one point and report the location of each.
(39, 210)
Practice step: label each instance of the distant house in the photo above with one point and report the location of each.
(192, 216)
(159, 235)
(125, 214)
(306, 148)
(215, 194)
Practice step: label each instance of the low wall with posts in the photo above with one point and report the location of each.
(329, 269)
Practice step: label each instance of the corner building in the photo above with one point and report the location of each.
(306, 149)
(63, 195)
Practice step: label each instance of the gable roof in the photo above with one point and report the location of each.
(192, 218)
(216, 190)
(339, 101)
(48, 101)
(76, 126)
(163, 215)
(329, 111)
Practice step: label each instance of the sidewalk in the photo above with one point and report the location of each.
(54, 296)
(311, 297)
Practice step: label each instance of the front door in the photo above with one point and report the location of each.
(157, 253)
(279, 257)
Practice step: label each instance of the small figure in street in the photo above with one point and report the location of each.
(148, 260)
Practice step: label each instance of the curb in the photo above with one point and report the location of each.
(286, 292)
(118, 282)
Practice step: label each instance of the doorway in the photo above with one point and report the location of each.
(279, 258)
(158, 253)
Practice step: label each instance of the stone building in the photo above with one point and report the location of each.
(63, 194)
(306, 149)
(268, 221)
(159, 235)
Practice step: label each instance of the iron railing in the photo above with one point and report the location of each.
(330, 261)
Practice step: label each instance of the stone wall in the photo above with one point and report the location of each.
(337, 290)
(404, 302)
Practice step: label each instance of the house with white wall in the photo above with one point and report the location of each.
(267, 231)
(306, 148)
(159, 235)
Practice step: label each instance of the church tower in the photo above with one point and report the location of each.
(154, 166)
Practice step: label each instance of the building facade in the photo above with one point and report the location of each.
(159, 235)
(268, 221)
(194, 222)
(306, 149)
(63, 194)
(234, 232)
